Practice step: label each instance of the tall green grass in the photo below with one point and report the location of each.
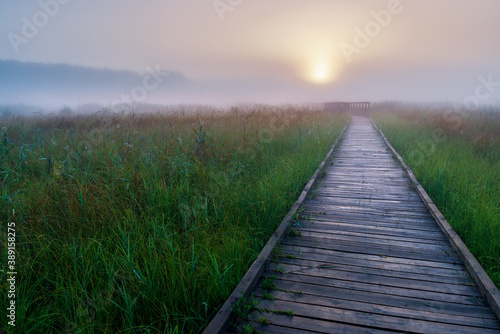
(456, 158)
(146, 223)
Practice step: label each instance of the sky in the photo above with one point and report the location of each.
(277, 51)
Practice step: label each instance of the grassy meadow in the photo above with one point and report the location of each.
(456, 158)
(129, 223)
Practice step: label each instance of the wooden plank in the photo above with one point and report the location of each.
(375, 239)
(288, 266)
(323, 254)
(410, 294)
(371, 229)
(362, 166)
(394, 216)
(395, 198)
(330, 240)
(368, 189)
(381, 264)
(439, 256)
(366, 205)
(366, 174)
(326, 232)
(387, 204)
(384, 280)
(377, 226)
(363, 217)
(393, 229)
(334, 177)
(367, 210)
(367, 199)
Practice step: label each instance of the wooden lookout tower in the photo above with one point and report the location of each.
(356, 108)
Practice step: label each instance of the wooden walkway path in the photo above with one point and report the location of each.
(370, 257)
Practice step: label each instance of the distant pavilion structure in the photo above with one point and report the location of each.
(357, 108)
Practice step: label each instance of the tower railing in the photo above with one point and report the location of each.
(349, 107)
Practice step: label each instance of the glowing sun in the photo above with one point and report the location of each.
(321, 72)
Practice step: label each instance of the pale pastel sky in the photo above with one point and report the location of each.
(418, 50)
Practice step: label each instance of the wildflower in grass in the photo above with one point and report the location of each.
(4, 129)
(56, 170)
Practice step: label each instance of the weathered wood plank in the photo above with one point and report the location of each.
(365, 198)
(378, 279)
(407, 252)
(367, 210)
(394, 229)
(364, 195)
(366, 204)
(373, 240)
(364, 218)
(367, 218)
(315, 282)
(288, 266)
(326, 254)
(381, 265)
(332, 231)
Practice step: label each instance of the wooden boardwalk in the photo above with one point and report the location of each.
(370, 257)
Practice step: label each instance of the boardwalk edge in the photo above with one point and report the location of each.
(222, 319)
(481, 278)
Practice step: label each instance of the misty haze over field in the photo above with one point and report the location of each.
(55, 52)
